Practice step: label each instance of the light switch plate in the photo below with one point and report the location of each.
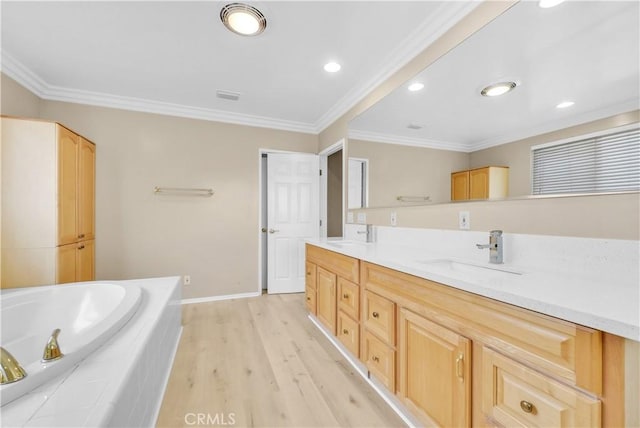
(349, 217)
(362, 218)
(464, 220)
(394, 219)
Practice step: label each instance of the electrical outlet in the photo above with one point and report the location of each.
(362, 218)
(186, 280)
(349, 217)
(464, 220)
(394, 219)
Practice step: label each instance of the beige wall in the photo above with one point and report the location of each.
(15, 100)
(396, 170)
(139, 234)
(334, 194)
(517, 155)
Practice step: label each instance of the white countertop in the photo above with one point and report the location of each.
(590, 299)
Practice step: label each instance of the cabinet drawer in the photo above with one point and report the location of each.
(380, 317)
(343, 266)
(514, 395)
(349, 333)
(380, 359)
(310, 299)
(349, 298)
(310, 277)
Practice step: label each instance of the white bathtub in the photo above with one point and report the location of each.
(86, 314)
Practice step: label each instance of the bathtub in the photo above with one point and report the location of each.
(86, 314)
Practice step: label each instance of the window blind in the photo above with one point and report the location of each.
(606, 163)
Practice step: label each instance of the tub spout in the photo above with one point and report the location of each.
(52, 349)
(10, 369)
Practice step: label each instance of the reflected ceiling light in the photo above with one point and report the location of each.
(332, 67)
(243, 19)
(498, 89)
(416, 86)
(565, 104)
(545, 4)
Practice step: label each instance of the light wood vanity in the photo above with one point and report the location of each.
(457, 359)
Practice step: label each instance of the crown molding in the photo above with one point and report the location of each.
(21, 74)
(407, 141)
(445, 17)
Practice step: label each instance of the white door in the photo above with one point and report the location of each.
(293, 215)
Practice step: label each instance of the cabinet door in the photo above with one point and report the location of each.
(326, 298)
(379, 317)
(310, 299)
(67, 186)
(460, 186)
(349, 298)
(435, 371)
(85, 261)
(66, 264)
(310, 278)
(479, 183)
(349, 333)
(86, 190)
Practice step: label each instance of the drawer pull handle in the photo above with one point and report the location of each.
(376, 359)
(460, 368)
(81, 247)
(527, 407)
(309, 273)
(81, 235)
(345, 296)
(345, 331)
(375, 315)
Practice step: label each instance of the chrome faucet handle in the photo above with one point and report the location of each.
(10, 369)
(52, 350)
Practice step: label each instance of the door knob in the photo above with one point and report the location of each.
(263, 230)
(273, 231)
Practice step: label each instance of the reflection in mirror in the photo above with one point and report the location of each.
(586, 53)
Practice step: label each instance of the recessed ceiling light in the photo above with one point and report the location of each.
(332, 67)
(416, 86)
(545, 4)
(498, 89)
(565, 104)
(243, 19)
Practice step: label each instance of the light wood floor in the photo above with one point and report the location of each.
(262, 360)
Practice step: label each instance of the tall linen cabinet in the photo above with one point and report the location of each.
(48, 204)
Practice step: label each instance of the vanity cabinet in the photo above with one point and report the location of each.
(454, 358)
(48, 197)
(310, 287)
(336, 279)
(480, 183)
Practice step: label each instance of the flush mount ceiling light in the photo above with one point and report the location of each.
(243, 19)
(415, 86)
(546, 4)
(497, 89)
(332, 67)
(565, 104)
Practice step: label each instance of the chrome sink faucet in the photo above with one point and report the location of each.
(494, 246)
(369, 232)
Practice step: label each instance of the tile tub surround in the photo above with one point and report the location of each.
(122, 384)
(588, 281)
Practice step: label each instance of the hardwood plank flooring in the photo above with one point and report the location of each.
(261, 362)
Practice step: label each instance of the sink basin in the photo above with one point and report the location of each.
(470, 271)
(346, 244)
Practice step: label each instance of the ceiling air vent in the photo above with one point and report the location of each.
(228, 95)
(414, 126)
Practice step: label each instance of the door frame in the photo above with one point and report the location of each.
(324, 154)
(262, 183)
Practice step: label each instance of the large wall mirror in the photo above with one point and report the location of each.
(584, 54)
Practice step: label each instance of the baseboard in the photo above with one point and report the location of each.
(216, 298)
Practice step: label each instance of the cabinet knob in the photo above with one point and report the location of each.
(345, 296)
(527, 407)
(309, 273)
(376, 359)
(375, 315)
(81, 247)
(345, 331)
(81, 235)
(308, 298)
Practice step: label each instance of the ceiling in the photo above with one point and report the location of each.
(172, 57)
(584, 51)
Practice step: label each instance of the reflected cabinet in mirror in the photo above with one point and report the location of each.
(567, 122)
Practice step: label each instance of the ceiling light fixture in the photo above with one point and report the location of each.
(565, 104)
(546, 4)
(332, 67)
(415, 86)
(498, 89)
(243, 19)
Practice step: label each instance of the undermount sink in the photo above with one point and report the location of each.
(470, 270)
(346, 244)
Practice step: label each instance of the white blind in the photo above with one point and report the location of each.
(607, 163)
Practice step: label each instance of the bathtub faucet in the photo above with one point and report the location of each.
(52, 349)
(10, 369)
